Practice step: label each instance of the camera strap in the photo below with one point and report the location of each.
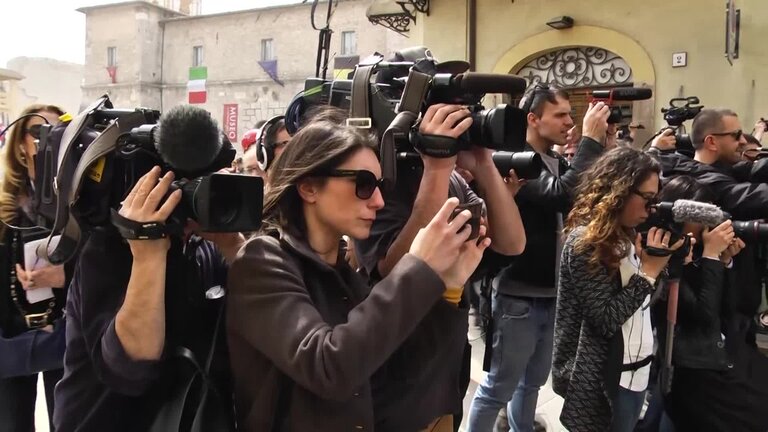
(70, 182)
(360, 105)
(437, 146)
(132, 230)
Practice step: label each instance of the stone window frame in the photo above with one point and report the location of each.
(268, 49)
(346, 50)
(112, 56)
(197, 55)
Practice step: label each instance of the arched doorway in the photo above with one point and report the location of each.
(640, 66)
(580, 70)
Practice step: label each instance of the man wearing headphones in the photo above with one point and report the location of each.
(271, 142)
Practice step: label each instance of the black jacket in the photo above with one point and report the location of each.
(741, 190)
(698, 342)
(540, 201)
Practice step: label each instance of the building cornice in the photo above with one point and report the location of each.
(87, 9)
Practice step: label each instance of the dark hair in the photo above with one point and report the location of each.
(706, 122)
(751, 139)
(315, 149)
(687, 188)
(272, 132)
(325, 113)
(535, 97)
(601, 195)
(259, 124)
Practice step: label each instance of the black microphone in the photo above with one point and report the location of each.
(473, 82)
(693, 211)
(188, 138)
(624, 94)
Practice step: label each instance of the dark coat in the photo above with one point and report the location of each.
(306, 339)
(587, 357)
(698, 342)
(540, 201)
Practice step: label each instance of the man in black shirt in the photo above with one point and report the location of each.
(525, 292)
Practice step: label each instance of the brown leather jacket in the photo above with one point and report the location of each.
(305, 338)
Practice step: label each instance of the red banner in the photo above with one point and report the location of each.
(230, 121)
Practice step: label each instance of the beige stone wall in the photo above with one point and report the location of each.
(135, 30)
(154, 55)
(653, 28)
(48, 81)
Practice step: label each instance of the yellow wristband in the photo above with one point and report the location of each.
(453, 294)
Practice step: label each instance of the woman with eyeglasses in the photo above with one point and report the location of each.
(306, 334)
(603, 337)
(27, 320)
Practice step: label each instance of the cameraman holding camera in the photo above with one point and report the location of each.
(524, 293)
(129, 303)
(418, 196)
(739, 188)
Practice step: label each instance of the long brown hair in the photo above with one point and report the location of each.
(14, 165)
(316, 148)
(602, 193)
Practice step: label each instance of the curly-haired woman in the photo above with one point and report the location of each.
(603, 337)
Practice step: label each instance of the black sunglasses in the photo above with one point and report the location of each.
(365, 181)
(735, 134)
(34, 130)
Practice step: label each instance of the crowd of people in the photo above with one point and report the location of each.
(349, 309)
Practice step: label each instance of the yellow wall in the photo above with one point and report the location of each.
(645, 33)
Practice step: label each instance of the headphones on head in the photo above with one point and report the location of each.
(265, 150)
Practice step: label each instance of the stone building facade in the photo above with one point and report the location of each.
(153, 49)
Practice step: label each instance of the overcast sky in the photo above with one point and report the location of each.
(53, 28)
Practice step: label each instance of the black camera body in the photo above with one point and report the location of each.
(678, 112)
(380, 91)
(86, 167)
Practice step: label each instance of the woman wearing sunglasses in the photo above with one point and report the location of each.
(23, 320)
(603, 337)
(306, 334)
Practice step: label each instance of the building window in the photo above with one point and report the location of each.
(348, 43)
(112, 56)
(197, 56)
(267, 50)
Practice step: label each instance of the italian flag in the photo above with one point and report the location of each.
(196, 84)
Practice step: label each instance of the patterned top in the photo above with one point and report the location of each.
(591, 308)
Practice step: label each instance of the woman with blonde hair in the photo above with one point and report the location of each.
(31, 327)
(603, 337)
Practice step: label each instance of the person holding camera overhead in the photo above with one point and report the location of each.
(306, 333)
(603, 341)
(718, 382)
(145, 299)
(524, 289)
(26, 323)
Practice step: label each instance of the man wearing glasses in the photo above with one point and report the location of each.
(718, 142)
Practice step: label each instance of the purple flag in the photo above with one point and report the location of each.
(270, 67)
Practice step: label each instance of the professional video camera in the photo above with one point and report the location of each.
(620, 94)
(86, 167)
(679, 111)
(381, 91)
(671, 216)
